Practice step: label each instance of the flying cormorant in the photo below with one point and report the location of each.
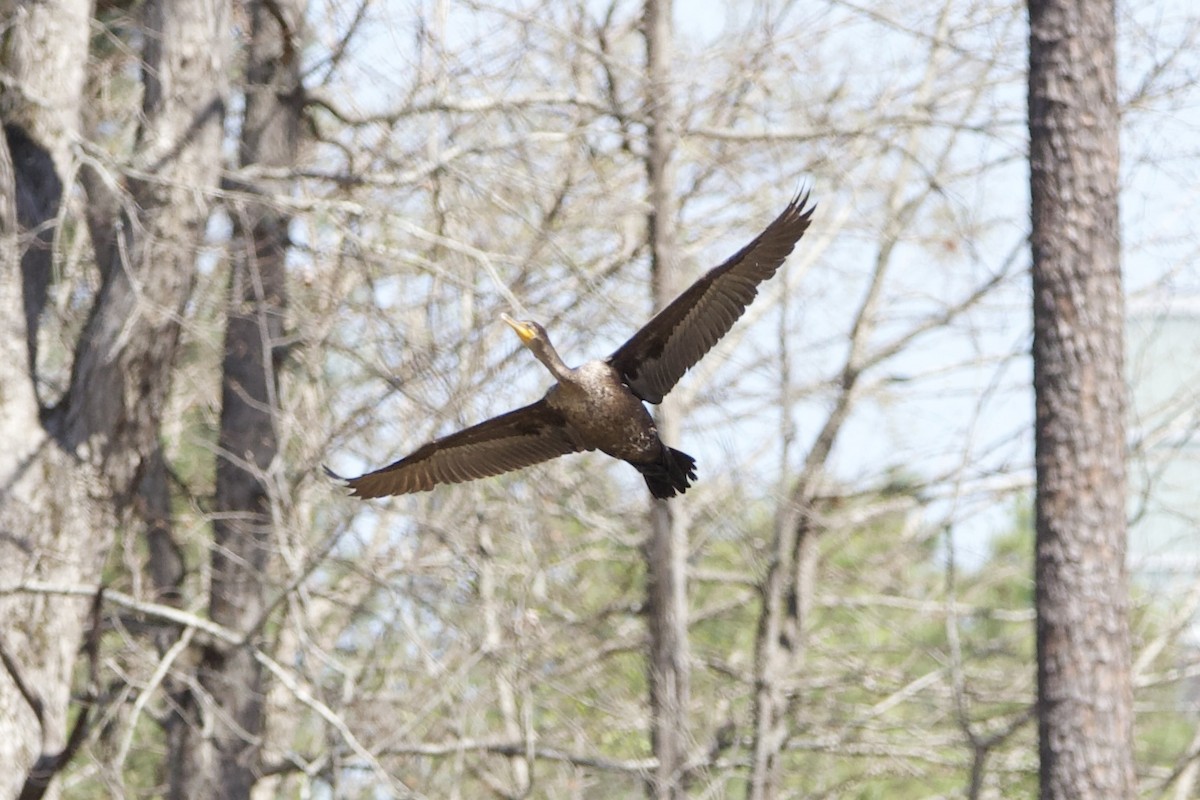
(599, 404)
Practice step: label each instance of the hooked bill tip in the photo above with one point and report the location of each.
(523, 330)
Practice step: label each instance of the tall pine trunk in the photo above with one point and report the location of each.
(1085, 716)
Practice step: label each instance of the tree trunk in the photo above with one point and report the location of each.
(70, 472)
(1084, 689)
(227, 763)
(787, 595)
(45, 53)
(788, 588)
(666, 602)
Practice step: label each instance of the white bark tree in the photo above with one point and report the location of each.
(72, 469)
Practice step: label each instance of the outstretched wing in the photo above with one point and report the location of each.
(509, 442)
(654, 360)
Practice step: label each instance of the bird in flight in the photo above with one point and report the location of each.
(599, 405)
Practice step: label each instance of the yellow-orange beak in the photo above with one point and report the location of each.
(526, 332)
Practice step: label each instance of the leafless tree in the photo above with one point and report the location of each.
(667, 548)
(222, 720)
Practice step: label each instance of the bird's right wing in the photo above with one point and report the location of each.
(505, 443)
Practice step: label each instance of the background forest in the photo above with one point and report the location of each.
(260, 237)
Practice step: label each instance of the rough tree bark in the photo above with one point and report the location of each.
(1084, 685)
(666, 560)
(69, 473)
(41, 635)
(227, 761)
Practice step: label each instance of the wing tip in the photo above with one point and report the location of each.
(802, 206)
(344, 482)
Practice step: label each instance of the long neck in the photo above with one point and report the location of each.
(545, 353)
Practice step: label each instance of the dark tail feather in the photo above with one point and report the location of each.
(672, 473)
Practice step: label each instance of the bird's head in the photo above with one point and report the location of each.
(534, 337)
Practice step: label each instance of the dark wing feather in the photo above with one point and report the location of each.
(505, 443)
(654, 360)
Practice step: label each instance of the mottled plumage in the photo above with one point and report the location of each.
(599, 405)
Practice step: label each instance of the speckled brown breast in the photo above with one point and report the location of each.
(605, 415)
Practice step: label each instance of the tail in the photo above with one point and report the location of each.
(672, 473)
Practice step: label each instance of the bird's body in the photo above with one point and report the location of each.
(603, 414)
(599, 405)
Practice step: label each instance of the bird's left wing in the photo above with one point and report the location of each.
(654, 360)
(508, 442)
